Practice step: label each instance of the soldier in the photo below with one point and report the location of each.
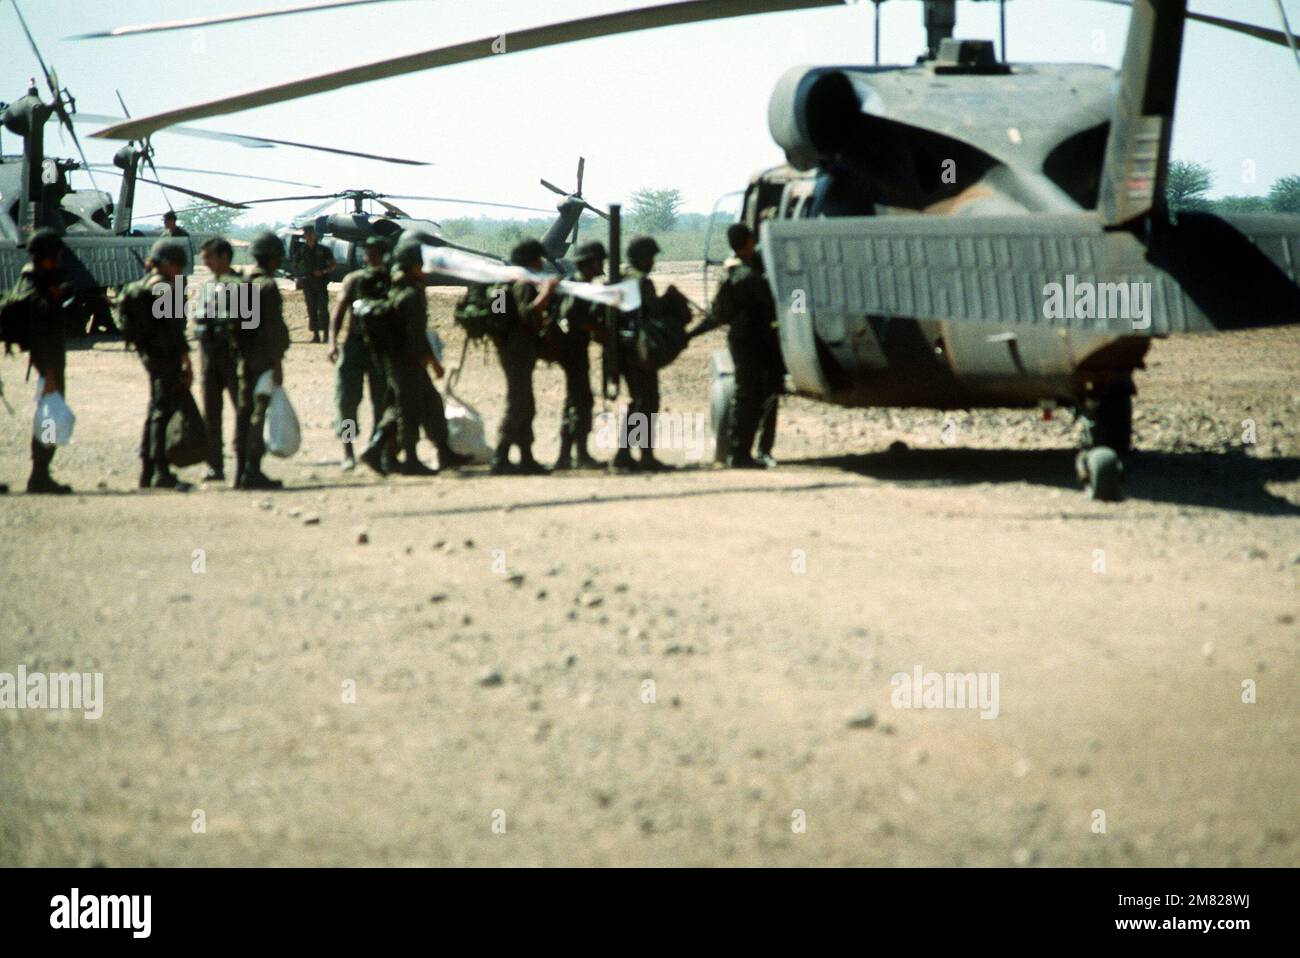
(171, 227)
(578, 321)
(37, 304)
(744, 303)
(412, 399)
(151, 313)
(642, 381)
(518, 350)
(263, 340)
(218, 351)
(312, 265)
(355, 362)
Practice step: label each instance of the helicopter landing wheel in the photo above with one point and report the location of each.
(1101, 470)
(1108, 419)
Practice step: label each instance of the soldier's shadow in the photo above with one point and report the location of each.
(1230, 480)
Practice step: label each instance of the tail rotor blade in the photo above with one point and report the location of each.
(582, 165)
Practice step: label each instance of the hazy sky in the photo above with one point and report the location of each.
(679, 107)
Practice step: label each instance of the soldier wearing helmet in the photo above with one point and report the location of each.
(413, 400)
(578, 321)
(529, 304)
(151, 314)
(35, 315)
(642, 381)
(312, 265)
(263, 339)
(356, 366)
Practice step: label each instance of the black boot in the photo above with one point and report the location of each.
(412, 466)
(528, 466)
(373, 457)
(164, 478)
(254, 478)
(41, 481)
(146, 473)
(501, 460)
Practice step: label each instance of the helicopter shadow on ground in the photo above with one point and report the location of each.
(1230, 481)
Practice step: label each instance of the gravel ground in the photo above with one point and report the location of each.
(693, 668)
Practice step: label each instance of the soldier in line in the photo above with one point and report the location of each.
(578, 321)
(151, 313)
(400, 335)
(744, 304)
(312, 266)
(356, 365)
(263, 340)
(518, 349)
(171, 227)
(642, 381)
(215, 323)
(37, 305)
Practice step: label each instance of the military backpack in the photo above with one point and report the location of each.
(486, 310)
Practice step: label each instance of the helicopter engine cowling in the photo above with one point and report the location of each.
(352, 227)
(811, 114)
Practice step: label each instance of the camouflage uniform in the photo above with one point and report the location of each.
(260, 348)
(219, 356)
(518, 349)
(161, 343)
(48, 352)
(357, 365)
(578, 318)
(642, 381)
(315, 289)
(744, 303)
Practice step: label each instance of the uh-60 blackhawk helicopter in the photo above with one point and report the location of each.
(345, 233)
(104, 246)
(934, 217)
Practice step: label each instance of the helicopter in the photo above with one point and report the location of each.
(344, 233)
(963, 231)
(103, 247)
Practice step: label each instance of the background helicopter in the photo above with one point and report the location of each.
(926, 211)
(104, 249)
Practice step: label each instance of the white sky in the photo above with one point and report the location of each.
(681, 107)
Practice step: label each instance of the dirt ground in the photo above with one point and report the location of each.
(692, 668)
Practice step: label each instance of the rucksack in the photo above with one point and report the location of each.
(16, 322)
(486, 310)
(661, 331)
(378, 321)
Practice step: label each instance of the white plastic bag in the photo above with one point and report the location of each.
(282, 434)
(53, 422)
(465, 431)
(265, 384)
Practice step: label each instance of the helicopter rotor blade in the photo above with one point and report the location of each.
(249, 141)
(214, 200)
(237, 176)
(194, 22)
(582, 165)
(315, 210)
(289, 199)
(453, 199)
(535, 38)
(553, 188)
(1249, 29)
(599, 212)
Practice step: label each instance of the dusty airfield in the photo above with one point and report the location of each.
(519, 699)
